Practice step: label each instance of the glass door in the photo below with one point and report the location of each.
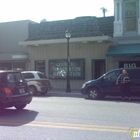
(98, 68)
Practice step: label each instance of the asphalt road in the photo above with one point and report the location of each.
(71, 117)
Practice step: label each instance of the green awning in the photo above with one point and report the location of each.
(123, 50)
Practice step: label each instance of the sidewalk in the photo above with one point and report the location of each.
(63, 93)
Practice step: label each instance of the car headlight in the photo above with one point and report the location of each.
(84, 85)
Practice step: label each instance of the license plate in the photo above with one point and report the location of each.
(21, 90)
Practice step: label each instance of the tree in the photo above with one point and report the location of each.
(104, 10)
(43, 20)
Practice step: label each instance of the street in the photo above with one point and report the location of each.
(71, 117)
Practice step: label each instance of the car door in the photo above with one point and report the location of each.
(16, 83)
(108, 85)
(134, 75)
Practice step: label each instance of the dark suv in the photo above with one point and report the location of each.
(106, 84)
(14, 90)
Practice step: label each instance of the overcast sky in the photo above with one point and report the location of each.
(12, 10)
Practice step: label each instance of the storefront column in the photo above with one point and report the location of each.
(120, 10)
(115, 10)
(118, 23)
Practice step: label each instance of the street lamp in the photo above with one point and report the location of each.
(68, 36)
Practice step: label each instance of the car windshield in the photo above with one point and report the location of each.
(14, 77)
(41, 75)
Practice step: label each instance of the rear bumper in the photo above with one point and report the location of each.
(16, 100)
(45, 88)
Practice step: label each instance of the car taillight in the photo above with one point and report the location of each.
(39, 84)
(7, 91)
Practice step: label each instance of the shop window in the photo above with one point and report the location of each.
(130, 16)
(58, 68)
(98, 68)
(129, 64)
(18, 65)
(5, 66)
(40, 66)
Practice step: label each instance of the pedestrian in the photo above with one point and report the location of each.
(124, 84)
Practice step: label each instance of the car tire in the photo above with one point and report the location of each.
(19, 107)
(94, 93)
(43, 93)
(33, 90)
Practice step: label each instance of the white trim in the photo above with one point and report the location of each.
(115, 10)
(120, 12)
(19, 56)
(72, 40)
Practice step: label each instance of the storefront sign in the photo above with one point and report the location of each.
(40, 65)
(58, 68)
(129, 64)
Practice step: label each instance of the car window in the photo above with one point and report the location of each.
(134, 73)
(41, 75)
(14, 77)
(112, 76)
(28, 75)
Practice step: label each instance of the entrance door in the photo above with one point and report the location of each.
(98, 68)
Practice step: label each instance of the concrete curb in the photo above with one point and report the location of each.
(63, 93)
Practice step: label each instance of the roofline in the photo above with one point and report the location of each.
(72, 40)
(16, 21)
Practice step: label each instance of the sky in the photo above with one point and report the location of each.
(36, 10)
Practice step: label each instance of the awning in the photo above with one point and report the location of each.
(128, 50)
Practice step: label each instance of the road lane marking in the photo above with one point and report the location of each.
(66, 126)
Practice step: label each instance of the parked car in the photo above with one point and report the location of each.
(106, 84)
(14, 90)
(37, 82)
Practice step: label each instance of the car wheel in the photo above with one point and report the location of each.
(94, 93)
(43, 93)
(33, 90)
(20, 106)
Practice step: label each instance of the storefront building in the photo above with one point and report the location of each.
(13, 56)
(90, 40)
(125, 53)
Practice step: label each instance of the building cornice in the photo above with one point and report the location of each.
(60, 41)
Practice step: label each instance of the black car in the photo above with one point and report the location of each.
(106, 84)
(14, 90)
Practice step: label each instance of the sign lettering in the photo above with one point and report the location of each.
(129, 64)
(58, 68)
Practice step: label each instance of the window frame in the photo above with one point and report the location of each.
(115, 72)
(28, 77)
(39, 75)
(124, 17)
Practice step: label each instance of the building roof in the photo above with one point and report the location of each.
(79, 27)
(106, 25)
